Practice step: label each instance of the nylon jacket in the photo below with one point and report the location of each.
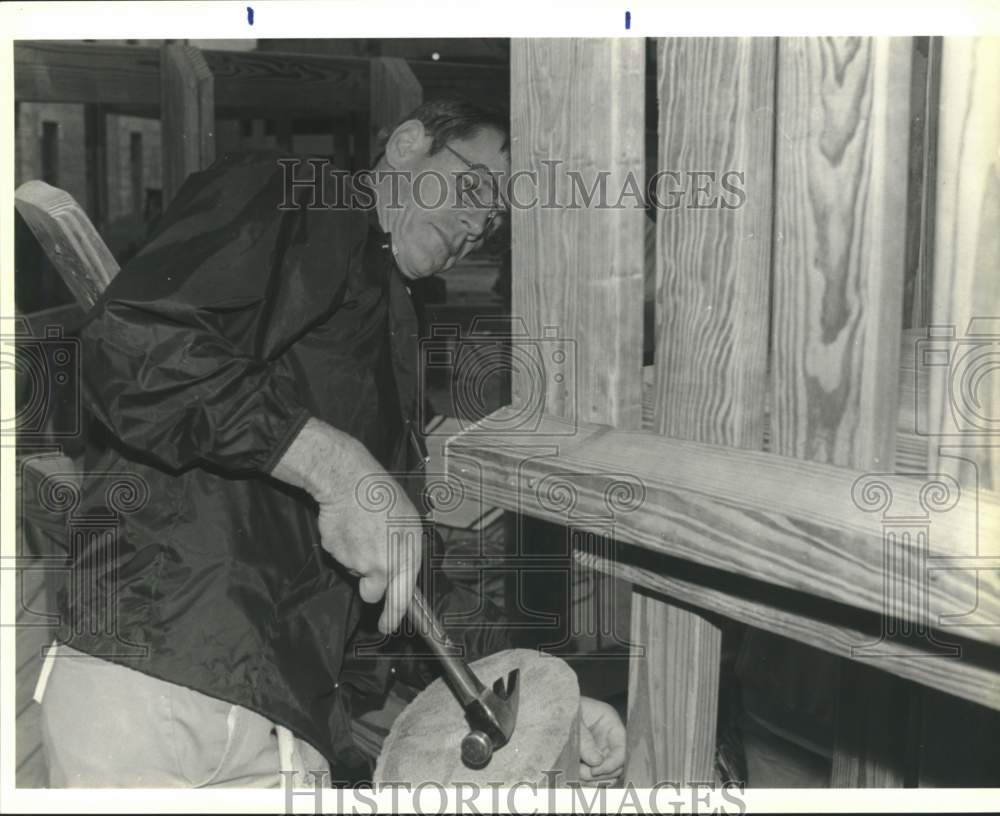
(202, 361)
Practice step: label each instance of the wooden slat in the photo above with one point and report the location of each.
(840, 227)
(782, 520)
(578, 272)
(245, 81)
(395, 91)
(924, 110)
(713, 263)
(187, 103)
(966, 264)
(836, 629)
(911, 446)
(713, 270)
(838, 253)
(68, 238)
(673, 693)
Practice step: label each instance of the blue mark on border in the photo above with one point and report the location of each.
(250, 16)
(628, 20)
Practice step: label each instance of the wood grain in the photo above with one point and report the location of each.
(68, 238)
(187, 105)
(673, 692)
(964, 419)
(713, 270)
(786, 521)
(578, 271)
(395, 91)
(424, 743)
(713, 263)
(839, 243)
(578, 268)
(974, 674)
(840, 227)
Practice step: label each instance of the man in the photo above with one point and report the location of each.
(251, 366)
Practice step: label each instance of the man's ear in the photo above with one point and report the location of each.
(408, 143)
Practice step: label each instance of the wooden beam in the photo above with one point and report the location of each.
(578, 107)
(713, 259)
(247, 83)
(786, 521)
(840, 227)
(839, 245)
(578, 271)
(394, 92)
(713, 274)
(973, 675)
(261, 83)
(187, 100)
(68, 238)
(964, 409)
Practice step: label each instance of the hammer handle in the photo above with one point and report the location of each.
(466, 685)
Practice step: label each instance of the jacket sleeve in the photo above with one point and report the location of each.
(183, 358)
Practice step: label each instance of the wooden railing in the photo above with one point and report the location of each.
(779, 318)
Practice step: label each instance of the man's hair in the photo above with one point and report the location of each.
(448, 119)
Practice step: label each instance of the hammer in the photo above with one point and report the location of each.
(491, 713)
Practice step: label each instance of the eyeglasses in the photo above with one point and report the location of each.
(494, 218)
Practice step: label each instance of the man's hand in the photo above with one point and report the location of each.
(330, 465)
(602, 742)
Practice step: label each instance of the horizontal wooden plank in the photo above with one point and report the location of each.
(126, 79)
(799, 524)
(834, 628)
(245, 81)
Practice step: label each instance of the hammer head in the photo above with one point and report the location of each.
(492, 716)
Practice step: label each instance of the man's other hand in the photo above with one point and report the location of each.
(330, 465)
(602, 742)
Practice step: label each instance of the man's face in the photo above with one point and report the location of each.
(430, 234)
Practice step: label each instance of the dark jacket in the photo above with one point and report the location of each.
(205, 357)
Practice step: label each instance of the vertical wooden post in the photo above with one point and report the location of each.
(965, 319)
(964, 397)
(713, 273)
(840, 225)
(187, 112)
(577, 107)
(393, 91)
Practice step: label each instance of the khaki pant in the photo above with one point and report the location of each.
(108, 726)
